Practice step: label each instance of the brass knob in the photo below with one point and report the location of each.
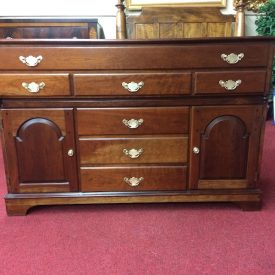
(196, 150)
(232, 58)
(133, 181)
(132, 123)
(230, 84)
(70, 152)
(132, 87)
(30, 60)
(133, 153)
(33, 87)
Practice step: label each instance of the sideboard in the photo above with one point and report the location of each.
(127, 121)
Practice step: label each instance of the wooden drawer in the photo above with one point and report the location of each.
(132, 84)
(140, 150)
(142, 178)
(45, 32)
(125, 55)
(120, 121)
(215, 82)
(43, 84)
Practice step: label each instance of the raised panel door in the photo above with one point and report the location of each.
(225, 146)
(40, 150)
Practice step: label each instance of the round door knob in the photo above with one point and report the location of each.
(70, 152)
(196, 150)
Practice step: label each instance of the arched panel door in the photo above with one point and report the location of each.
(41, 154)
(224, 146)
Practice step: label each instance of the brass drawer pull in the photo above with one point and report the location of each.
(133, 153)
(30, 60)
(132, 123)
(132, 87)
(133, 181)
(232, 58)
(70, 152)
(230, 84)
(196, 150)
(33, 87)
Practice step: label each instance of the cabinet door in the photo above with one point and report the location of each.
(225, 143)
(40, 150)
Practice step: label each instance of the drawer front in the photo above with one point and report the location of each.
(45, 32)
(133, 150)
(120, 121)
(131, 57)
(229, 83)
(115, 179)
(132, 84)
(34, 85)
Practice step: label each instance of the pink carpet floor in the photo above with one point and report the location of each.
(144, 239)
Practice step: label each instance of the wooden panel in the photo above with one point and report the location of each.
(158, 56)
(157, 120)
(55, 84)
(194, 30)
(41, 139)
(197, 22)
(111, 84)
(223, 184)
(216, 29)
(208, 82)
(231, 151)
(171, 30)
(146, 31)
(155, 150)
(112, 178)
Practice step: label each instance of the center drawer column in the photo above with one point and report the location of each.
(133, 149)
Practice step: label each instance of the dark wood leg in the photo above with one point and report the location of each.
(17, 209)
(249, 205)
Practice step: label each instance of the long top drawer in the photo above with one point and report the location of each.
(75, 55)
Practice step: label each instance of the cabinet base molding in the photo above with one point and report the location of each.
(19, 204)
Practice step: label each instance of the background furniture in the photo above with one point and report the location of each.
(155, 23)
(50, 27)
(123, 121)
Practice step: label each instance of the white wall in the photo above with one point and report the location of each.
(104, 10)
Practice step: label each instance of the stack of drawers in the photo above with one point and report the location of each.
(126, 149)
(129, 121)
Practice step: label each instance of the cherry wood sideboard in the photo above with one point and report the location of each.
(126, 121)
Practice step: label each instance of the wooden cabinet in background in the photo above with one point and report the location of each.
(88, 122)
(179, 22)
(50, 27)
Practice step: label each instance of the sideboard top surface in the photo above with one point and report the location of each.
(91, 42)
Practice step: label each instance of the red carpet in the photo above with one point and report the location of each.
(144, 239)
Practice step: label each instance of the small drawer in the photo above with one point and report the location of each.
(132, 84)
(131, 121)
(44, 32)
(133, 150)
(25, 85)
(125, 179)
(230, 83)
